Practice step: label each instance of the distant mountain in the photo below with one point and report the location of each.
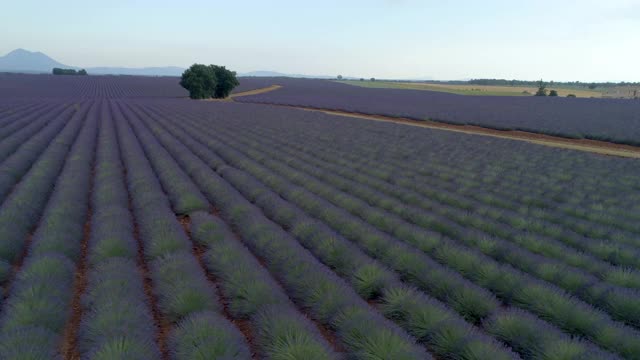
(264, 73)
(21, 60)
(25, 61)
(147, 71)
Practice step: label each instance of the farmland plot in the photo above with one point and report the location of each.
(612, 120)
(151, 227)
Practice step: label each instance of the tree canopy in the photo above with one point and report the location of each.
(59, 71)
(225, 81)
(206, 81)
(542, 88)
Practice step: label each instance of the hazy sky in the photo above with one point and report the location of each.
(585, 40)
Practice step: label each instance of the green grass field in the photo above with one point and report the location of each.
(482, 90)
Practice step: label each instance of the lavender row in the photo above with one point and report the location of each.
(21, 150)
(183, 194)
(328, 298)
(12, 110)
(179, 283)
(14, 125)
(27, 110)
(37, 308)
(116, 315)
(23, 207)
(281, 331)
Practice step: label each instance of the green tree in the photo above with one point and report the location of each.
(59, 71)
(199, 80)
(542, 88)
(593, 86)
(339, 77)
(82, 72)
(553, 93)
(225, 80)
(373, 79)
(571, 95)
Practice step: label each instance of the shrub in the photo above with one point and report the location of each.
(207, 335)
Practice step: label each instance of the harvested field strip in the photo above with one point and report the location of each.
(256, 91)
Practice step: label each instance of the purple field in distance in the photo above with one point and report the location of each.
(107, 86)
(139, 224)
(615, 120)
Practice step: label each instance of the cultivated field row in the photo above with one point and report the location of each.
(142, 229)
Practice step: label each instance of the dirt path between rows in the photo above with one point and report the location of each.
(593, 146)
(256, 91)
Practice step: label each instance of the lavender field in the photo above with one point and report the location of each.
(20, 86)
(138, 224)
(614, 120)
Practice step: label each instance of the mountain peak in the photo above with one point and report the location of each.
(20, 51)
(22, 60)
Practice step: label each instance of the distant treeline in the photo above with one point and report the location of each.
(59, 71)
(504, 82)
